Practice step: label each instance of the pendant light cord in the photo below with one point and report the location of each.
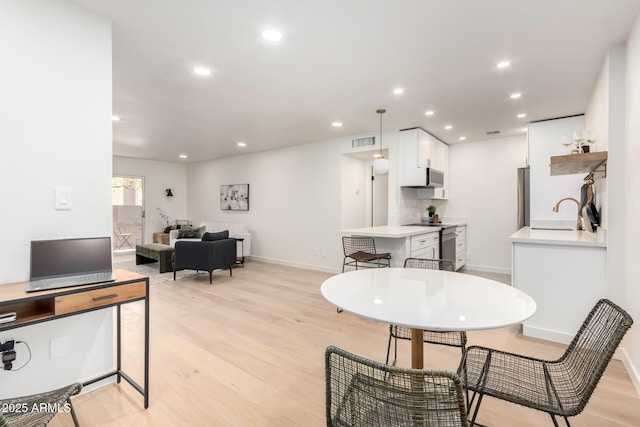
(381, 111)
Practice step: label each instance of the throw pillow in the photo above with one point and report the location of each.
(191, 232)
(209, 237)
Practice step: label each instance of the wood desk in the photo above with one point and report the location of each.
(44, 306)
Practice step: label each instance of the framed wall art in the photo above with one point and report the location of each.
(234, 197)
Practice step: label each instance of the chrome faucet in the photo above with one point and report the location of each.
(579, 221)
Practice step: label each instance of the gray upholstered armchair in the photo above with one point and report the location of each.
(215, 251)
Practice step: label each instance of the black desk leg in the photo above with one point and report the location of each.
(146, 348)
(118, 345)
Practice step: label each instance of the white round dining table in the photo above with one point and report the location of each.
(423, 299)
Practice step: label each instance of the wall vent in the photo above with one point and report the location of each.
(493, 132)
(363, 142)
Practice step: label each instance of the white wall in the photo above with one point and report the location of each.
(355, 192)
(605, 114)
(632, 225)
(483, 188)
(158, 176)
(294, 201)
(545, 140)
(55, 108)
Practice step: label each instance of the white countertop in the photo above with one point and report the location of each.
(390, 231)
(399, 231)
(428, 299)
(559, 237)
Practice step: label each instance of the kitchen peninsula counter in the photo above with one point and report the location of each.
(390, 231)
(399, 240)
(559, 237)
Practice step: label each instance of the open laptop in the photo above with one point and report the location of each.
(70, 262)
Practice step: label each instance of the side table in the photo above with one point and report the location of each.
(240, 260)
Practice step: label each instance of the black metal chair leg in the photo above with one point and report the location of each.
(475, 412)
(73, 413)
(388, 345)
(555, 422)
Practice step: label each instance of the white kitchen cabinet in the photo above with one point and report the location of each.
(419, 150)
(461, 247)
(565, 273)
(425, 246)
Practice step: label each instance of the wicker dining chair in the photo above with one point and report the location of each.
(560, 387)
(362, 252)
(452, 339)
(21, 410)
(362, 392)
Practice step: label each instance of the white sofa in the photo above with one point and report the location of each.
(239, 231)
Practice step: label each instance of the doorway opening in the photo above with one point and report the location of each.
(364, 196)
(128, 212)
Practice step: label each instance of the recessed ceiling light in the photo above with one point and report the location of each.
(503, 64)
(336, 124)
(202, 71)
(398, 91)
(429, 113)
(525, 130)
(183, 156)
(521, 115)
(241, 144)
(462, 138)
(377, 155)
(272, 35)
(515, 95)
(448, 127)
(115, 118)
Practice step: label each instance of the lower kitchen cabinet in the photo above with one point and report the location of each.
(565, 282)
(425, 246)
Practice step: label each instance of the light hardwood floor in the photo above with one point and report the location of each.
(248, 351)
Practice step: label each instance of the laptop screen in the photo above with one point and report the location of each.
(68, 257)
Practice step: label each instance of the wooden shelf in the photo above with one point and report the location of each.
(577, 163)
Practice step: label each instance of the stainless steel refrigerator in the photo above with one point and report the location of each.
(523, 198)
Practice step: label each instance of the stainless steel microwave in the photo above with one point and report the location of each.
(435, 178)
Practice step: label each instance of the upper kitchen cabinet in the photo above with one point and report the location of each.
(418, 150)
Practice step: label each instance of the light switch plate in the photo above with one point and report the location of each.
(64, 198)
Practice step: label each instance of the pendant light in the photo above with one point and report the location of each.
(381, 165)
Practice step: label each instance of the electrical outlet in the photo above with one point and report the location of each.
(59, 347)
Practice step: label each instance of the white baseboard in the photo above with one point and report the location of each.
(487, 269)
(631, 369)
(546, 334)
(296, 264)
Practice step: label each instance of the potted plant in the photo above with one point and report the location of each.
(431, 209)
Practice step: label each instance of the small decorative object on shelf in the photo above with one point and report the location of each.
(431, 209)
(579, 142)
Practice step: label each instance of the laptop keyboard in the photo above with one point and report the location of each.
(65, 282)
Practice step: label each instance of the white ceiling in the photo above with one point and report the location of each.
(340, 60)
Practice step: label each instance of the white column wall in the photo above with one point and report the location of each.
(55, 108)
(632, 225)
